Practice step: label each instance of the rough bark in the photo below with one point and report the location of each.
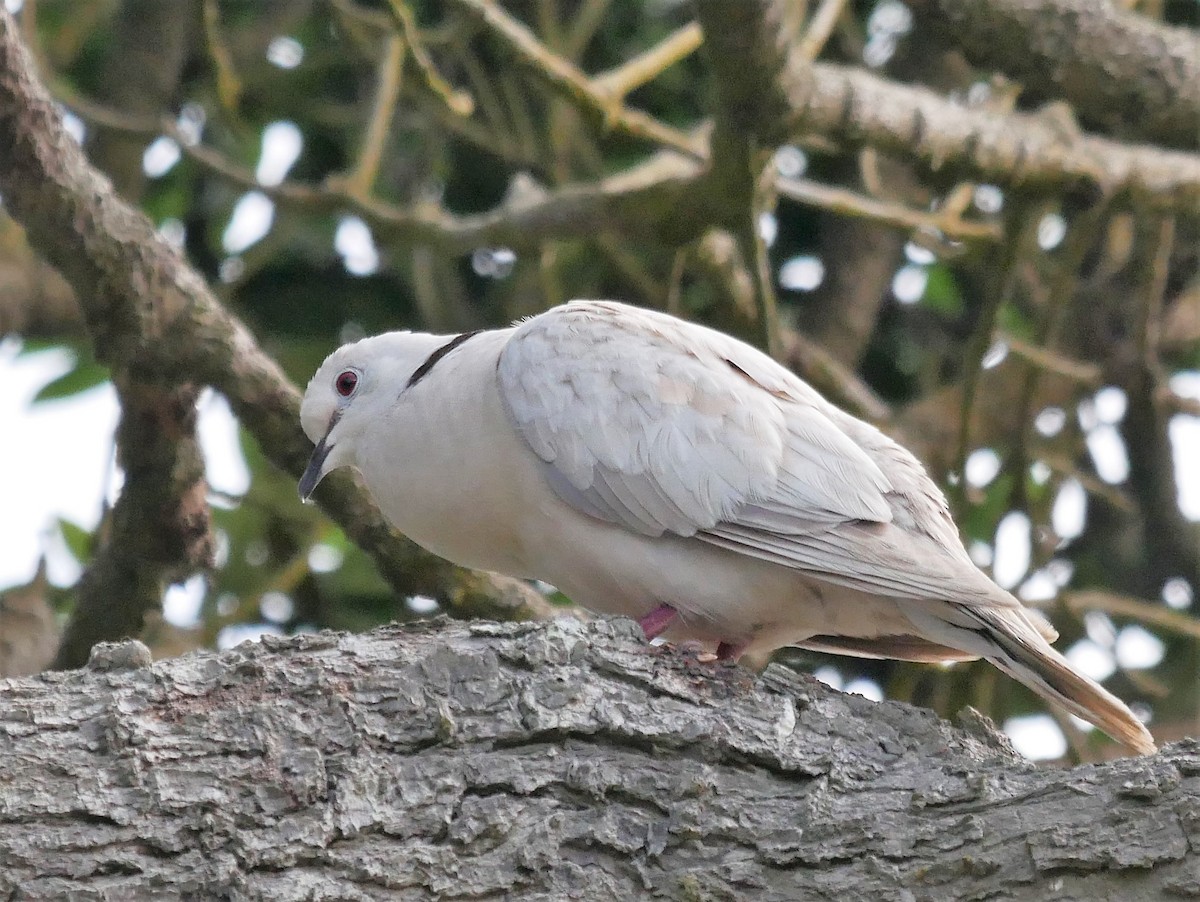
(547, 761)
(1123, 73)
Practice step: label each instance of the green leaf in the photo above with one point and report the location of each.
(85, 375)
(942, 294)
(77, 539)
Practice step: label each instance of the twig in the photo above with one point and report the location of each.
(1064, 466)
(820, 27)
(1006, 260)
(458, 102)
(229, 85)
(585, 23)
(850, 203)
(360, 181)
(618, 83)
(1045, 360)
(1135, 608)
(565, 77)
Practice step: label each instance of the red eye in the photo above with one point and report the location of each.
(346, 382)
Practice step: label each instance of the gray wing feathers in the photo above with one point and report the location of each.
(667, 427)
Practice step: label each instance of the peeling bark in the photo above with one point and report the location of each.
(547, 761)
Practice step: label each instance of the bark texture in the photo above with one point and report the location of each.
(547, 761)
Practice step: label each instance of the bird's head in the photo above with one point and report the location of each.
(356, 385)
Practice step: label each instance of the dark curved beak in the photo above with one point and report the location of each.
(312, 473)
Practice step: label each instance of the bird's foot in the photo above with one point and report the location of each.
(656, 622)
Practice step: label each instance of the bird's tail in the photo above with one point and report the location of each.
(1009, 639)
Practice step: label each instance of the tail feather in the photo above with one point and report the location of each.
(1014, 643)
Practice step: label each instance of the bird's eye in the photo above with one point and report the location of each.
(346, 383)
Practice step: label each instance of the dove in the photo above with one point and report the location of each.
(654, 468)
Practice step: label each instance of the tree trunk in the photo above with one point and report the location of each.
(547, 761)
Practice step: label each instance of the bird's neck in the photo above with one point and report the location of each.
(436, 467)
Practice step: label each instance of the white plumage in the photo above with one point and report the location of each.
(658, 469)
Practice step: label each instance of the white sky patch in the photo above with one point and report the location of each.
(1138, 648)
(1091, 659)
(1111, 404)
(1100, 628)
(1185, 443)
(921, 256)
(791, 161)
(281, 146)
(1069, 512)
(221, 549)
(1040, 586)
(1014, 549)
(421, 604)
(323, 558)
(159, 156)
(74, 126)
(1108, 454)
(888, 22)
(768, 228)
(1040, 472)
(1177, 593)
(909, 283)
(182, 603)
(276, 606)
(353, 240)
(866, 688)
(55, 456)
(989, 199)
(981, 553)
(252, 217)
(493, 262)
(1085, 410)
(1051, 231)
(803, 273)
(830, 676)
(1036, 736)
(1050, 421)
(173, 231)
(1061, 570)
(14, 6)
(217, 428)
(62, 567)
(190, 123)
(995, 355)
(237, 633)
(285, 52)
(983, 465)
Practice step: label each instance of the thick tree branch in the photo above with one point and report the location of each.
(548, 761)
(1122, 73)
(144, 304)
(855, 107)
(161, 526)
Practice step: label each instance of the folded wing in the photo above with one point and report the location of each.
(668, 427)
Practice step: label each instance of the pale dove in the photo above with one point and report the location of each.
(654, 468)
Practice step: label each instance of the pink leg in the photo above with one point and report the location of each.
(657, 621)
(730, 651)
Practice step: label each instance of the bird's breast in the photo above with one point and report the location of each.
(450, 476)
